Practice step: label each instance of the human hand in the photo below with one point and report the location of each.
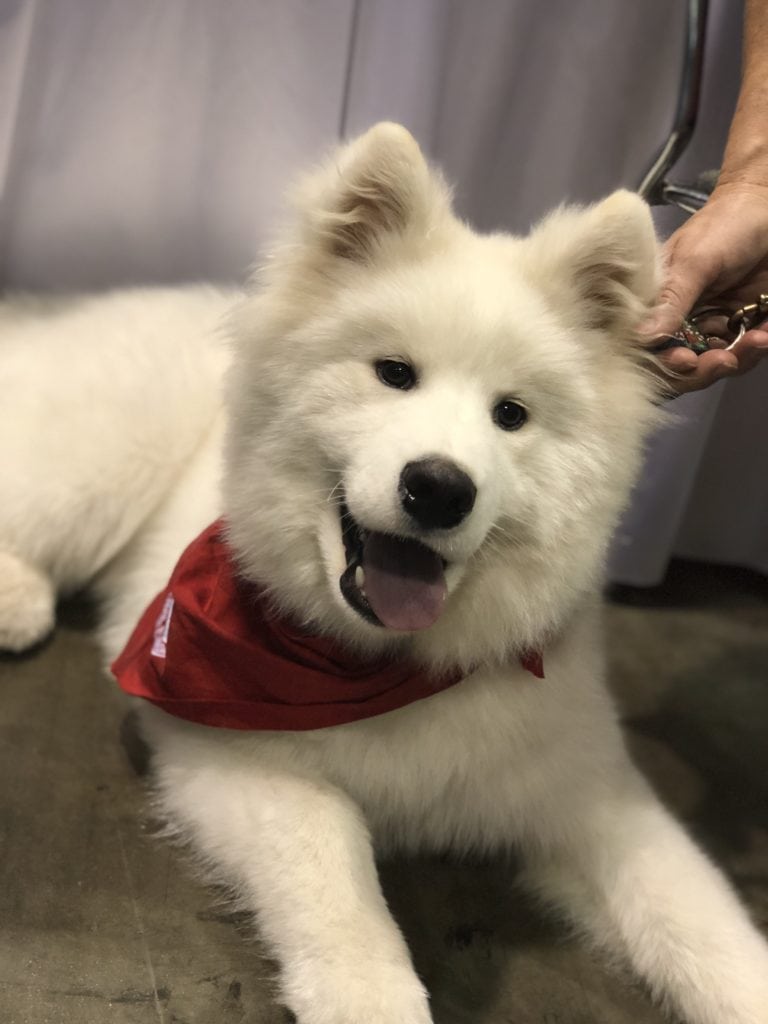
(719, 257)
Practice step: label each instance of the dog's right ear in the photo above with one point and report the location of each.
(377, 191)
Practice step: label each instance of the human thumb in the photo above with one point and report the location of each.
(676, 299)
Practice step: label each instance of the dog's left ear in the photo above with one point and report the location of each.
(601, 261)
(376, 191)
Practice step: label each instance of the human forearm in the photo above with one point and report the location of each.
(745, 161)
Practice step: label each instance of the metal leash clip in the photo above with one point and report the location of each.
(737, 324)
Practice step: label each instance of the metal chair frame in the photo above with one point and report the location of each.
(654, 187)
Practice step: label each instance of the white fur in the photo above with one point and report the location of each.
(113, 420)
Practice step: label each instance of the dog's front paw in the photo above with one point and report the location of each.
(358, 993)
(26, 604)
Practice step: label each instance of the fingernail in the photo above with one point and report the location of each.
(662, 320)
(725, 371)
(649, 328)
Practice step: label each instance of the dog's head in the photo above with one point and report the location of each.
(434, 431)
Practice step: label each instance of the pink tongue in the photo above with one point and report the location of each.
(404, 582)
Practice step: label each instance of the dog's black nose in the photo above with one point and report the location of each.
(436, 493)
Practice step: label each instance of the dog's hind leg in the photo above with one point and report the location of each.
(629, 875)
(27, 602)
(299, 855)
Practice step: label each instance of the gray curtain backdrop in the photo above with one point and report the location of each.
(152, 140)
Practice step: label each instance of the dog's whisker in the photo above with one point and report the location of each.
(335, 495)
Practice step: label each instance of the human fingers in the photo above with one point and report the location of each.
(706, 370)
(679, 360)
(752, 348)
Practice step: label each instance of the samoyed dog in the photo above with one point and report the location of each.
(389, 637)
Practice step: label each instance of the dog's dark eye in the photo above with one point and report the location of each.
(509, 414)
(395, 374)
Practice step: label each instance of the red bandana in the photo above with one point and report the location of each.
(209, 650)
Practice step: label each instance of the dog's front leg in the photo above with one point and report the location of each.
(626, 871)
(299, 854)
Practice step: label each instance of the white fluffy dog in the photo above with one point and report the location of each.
(448, 424)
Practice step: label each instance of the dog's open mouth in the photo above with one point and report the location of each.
(391, 581)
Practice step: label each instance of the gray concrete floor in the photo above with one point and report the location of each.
(101, 921)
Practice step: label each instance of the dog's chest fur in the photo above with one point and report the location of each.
(437, 772)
